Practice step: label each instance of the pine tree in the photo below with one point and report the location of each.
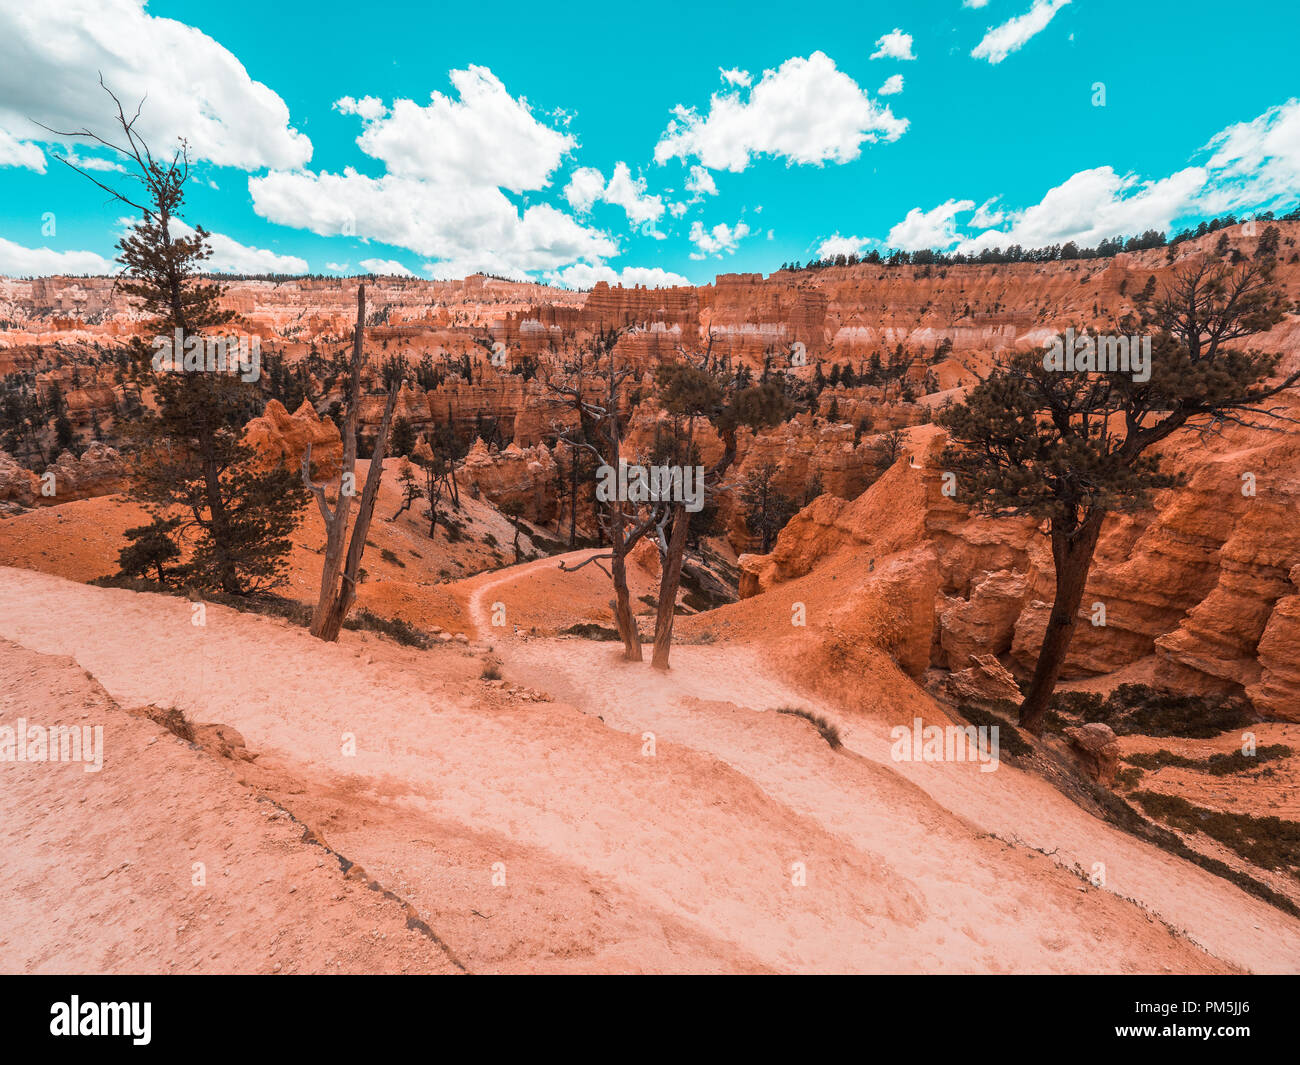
(1071, 447)
(191, 462)
(411, 490)
(766, 510)
(151, 548)
(402, 439)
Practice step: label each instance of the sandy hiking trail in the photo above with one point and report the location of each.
(703, 703)
(540, 835)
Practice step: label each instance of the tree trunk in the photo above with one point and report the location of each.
(338, 575)
(336, 520)
(669, 581)
(573, 497)
(623, 615)
(337, 612)
(1072, 557)
(219, 526)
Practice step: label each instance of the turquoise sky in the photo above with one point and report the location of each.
(1029, 121)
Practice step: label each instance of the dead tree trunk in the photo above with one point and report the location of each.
(339, 573)
(598, 423)
(337, 612)
(623, 616)
(669, 581)
(672, 554)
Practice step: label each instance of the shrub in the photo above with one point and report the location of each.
(1138, 709)
(588, 630)
(1129, 777)
(173, 720)
(1010, 741)
(1269, 842)
(1218, 765)
(829, 732)
(1078, 704)
(395, 628)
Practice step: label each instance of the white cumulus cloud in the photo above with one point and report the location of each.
(231, 257)
(385, 266)
(838, 245)
(986, 214)
(14, 152)
(484, 136)
(585, 275)
(894, 45)
(936, 228)
(51, 58)
(1000, 41)
(368, 107)
(1248, 166)
(893, 85)
(442, 196)
(1256, 163)
(587, 186)
(701, 182)
(805, 111)
(18, 261)
(1096, 204)
(721, 238)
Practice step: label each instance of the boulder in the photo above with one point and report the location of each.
(645, 556)
(984, 681)
(985, 623)
(1097, 750)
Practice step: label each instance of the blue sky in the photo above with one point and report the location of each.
(648, 143)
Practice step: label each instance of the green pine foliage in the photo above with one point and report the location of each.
(190, 464)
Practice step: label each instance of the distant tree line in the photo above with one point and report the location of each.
(1017, 254)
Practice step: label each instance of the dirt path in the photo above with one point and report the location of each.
(535, 836)
(704, 703)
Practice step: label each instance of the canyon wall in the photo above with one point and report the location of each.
(1201, 589)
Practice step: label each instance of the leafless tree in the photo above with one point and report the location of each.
(601, 436)
(338, 582)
